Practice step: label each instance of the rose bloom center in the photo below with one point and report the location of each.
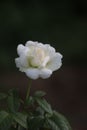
(36, 57)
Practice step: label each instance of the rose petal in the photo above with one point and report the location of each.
(46, 59)
(32, 73)
(55, 62)
(21, 62)
(20, 49)
(49, 50)
(17, 61)
(45, 73)
(31, 43)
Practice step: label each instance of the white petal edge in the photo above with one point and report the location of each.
(35, 43)
(20, 49)
(31, 43)
(21, 63)
(32, 73)
(17, 62)
(55, 62)
(45, 73)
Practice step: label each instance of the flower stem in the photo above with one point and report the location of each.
(28, 90)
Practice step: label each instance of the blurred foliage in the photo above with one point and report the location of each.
(63, 24)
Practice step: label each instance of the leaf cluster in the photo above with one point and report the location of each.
(35, 113)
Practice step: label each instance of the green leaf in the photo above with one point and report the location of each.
(40, 111)
(17, 128)
(13, 101)
(39, 94)
(60, 121)
(3, 115)
(2, 96)
(21, 119)
(5, 120)
(44, 105)
(34, 123)
(53, 125)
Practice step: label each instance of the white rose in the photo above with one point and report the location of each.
(37, 59)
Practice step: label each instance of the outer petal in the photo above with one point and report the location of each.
(49, 50)
(32, 73)
(45, 73)
(35, 44)
(31, 43)
(56, 62)
(17, 62)
(22, 50)
(21, 62)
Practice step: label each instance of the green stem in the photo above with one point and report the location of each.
(28, 90)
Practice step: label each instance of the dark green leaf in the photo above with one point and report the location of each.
(40, 111)
(53, 125)
(60, 121)
(44, 105)
(21, 119)
(5, 120)
(17, 128)
(39, 94)
(3, 115)
(2, 96)
(35, 123)
(13, 101)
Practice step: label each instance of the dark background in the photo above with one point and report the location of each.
(63, 24)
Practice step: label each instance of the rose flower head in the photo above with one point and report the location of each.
(37, 59)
